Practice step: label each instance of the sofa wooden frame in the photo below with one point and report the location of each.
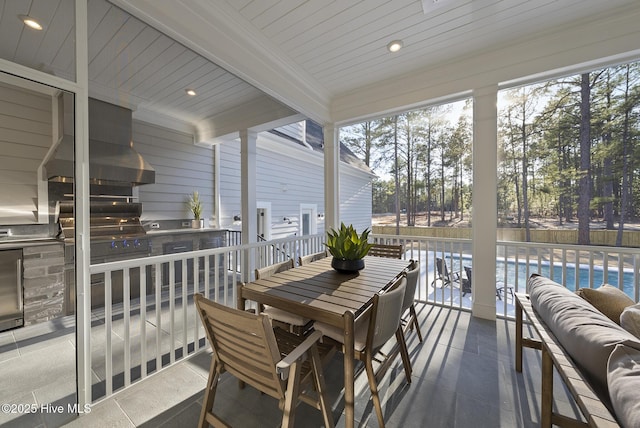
(553, 355)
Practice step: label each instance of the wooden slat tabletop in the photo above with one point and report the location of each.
(316, 291)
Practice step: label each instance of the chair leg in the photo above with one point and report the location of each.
(404, 354)
(414, 317)
(291, 396)
(318, 376)
(373, 386)
(209, 394)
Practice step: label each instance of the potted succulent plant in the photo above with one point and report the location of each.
(348, 248)
(195, 206)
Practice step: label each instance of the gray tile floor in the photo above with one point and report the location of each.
(463, 376)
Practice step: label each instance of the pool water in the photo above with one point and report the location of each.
(556, 273)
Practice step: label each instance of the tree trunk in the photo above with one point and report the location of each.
(607, 163)
(584, 185)
(525, 173)
(396, 173)
(428, 177)
(442, 189)
(624, 200)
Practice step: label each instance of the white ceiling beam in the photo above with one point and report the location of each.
(220, 34)
(257, 115)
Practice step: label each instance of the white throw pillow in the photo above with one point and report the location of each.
(630, 319)
(623, 378)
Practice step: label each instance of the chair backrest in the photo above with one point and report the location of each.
(267, 271)
(305, 260)
(467, 271)
(441, 266)
(384, 250)
(412, 276)
(385, 316)
(243, 344)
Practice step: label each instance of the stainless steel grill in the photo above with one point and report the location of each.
(115, 234)
(109, 220)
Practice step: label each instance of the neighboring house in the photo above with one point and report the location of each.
(290, 183)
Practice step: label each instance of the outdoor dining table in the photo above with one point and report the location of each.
(317, 292)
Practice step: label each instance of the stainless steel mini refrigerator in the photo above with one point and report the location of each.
(11, 303)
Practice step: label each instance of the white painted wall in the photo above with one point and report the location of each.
(181, 167)
(25, 138)
(355, 198)
(290, 175)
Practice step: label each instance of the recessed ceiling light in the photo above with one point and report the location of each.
(395, 45)
(431, 5)
(190, 92)
(30, 22)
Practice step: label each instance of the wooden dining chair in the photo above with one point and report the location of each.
(305, 260)
(410, 320)
(370, 337)
(386, 250)
(286, 320)
(273, 361)
(267, 271)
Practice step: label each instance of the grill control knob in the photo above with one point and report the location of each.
(114, 245)
(125, 244)
(136, 243)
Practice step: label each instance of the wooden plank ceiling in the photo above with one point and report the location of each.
(130, 63)
(337, 46)
(342, 44)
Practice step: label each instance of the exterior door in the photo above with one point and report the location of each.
(308, 219)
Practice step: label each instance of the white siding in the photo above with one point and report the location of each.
(181, 167)
(229, 165)
(287, 182)
(289, 175)
(294, 130)
(25, 138)
(355, 198)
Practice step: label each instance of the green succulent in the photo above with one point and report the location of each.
(346, 244)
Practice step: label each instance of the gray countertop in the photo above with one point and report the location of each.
(27, 242)
(153, 232)
(22, 242)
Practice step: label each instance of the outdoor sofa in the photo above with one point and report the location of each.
(598, 360)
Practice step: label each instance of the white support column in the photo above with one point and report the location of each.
(82, 248)
(216, 185)
(248, 140)
(485, 218)
(331, 176)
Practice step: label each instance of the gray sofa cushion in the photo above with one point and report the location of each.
(608, 299)
(624, 385)
(630, 319)
(586, 334)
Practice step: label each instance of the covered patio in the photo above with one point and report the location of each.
(149, 358)
(463, 377)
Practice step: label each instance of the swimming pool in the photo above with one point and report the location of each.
(545, 269)
(570, 275)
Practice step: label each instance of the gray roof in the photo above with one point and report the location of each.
(315, 139)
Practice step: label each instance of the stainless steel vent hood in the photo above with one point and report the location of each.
(112, 158)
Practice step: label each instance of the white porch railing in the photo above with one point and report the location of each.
(573, 266)
(143, 335)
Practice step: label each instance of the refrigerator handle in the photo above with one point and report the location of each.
(19, 283)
